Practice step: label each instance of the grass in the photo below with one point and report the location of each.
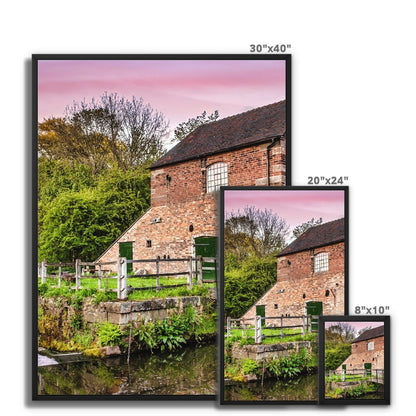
(289, 335)
(89, 288)
(348, 377)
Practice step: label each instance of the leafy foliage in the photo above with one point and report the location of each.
(289, 367)
(81, 222)
(243, 286)
(300, 229)
(109, 334)
(336, 355)
(189, 126)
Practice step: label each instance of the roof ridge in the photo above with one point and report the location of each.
(245, 112)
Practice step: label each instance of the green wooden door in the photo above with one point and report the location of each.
(207, 247)
(126, 250)
(367, 368)
(261, 311)
(314, 308)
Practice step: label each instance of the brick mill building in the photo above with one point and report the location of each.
(246, 149)
(310, 276)
(367, 352)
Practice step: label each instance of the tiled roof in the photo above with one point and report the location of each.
(320, 235)
(245, 129)
(371, 333)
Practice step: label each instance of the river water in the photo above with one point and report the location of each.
(304, 388)
(190, 371)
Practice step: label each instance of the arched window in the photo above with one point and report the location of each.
(321, 262)
(216, 176)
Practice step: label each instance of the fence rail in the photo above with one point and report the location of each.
(375, 375)
(92, 270)
(259, 325)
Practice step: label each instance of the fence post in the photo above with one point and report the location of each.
(228, 326)
(199, 270)
(190, 273)
(122, 278)
(157, 274)
(77, 274)
(215, 267)
(59, 274)
(309, 323)
(303, 326)
(257, 330)
(100, 273)
(243, 329)
(43, 271)
(281, 327)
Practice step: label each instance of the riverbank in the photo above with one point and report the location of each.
(113, 328)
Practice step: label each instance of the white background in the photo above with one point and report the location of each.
(354, 90)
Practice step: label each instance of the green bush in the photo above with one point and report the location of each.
(336, 355)
(289, 367)
(249, 366)
(244, 285)
(109, 334)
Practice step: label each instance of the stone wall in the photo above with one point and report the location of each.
(270, 351)
(297, 284)
(120, 313)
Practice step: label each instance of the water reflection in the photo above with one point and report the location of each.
(304, 388)
(188, 372)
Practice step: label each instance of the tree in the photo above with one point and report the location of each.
(189, 126)
(81, 223)
(300, 229)
(343, 331)
(133, 130)
(244, 286)
(254, 232)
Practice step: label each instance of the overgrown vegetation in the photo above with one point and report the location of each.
(64, 330)
(245, 282)
(284, 368)
(355, 392)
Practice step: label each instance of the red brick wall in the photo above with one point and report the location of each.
(359, 347)
(297, 284)
(245, 167)
(300, 265)
(360, 355)
(183, 201)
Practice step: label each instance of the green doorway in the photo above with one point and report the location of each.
(126, 250)
(367, 368)
(315, 309)
(261, 311)
(207, 247)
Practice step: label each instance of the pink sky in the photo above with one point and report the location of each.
(357, 325)
(178, 89)
(295, 206)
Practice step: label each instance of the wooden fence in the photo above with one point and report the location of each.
(92, 270)
(258, 323)
(374, 375)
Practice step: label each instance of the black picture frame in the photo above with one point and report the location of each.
(385, 400)
(345, 190)
(36, 58)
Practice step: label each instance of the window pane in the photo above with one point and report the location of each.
(216, 176)
(321, 262)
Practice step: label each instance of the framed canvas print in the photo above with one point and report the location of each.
(354, 360)
(284, 256)
(129, 153)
